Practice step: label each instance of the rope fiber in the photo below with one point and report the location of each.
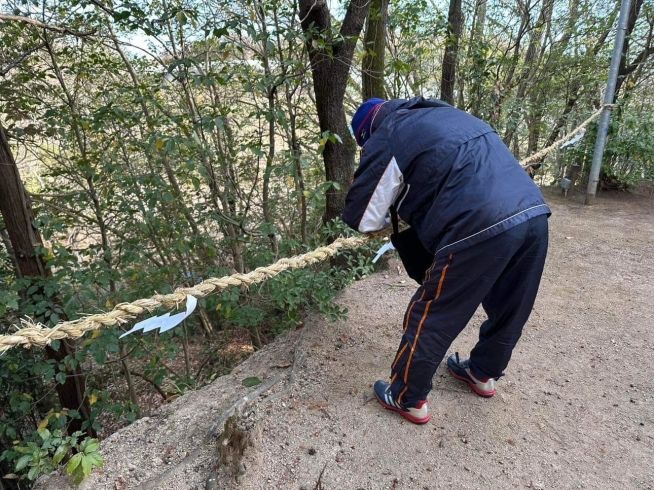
(34, 334)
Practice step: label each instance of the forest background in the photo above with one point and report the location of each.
(146, 146)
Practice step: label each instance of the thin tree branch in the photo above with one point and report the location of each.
(641, 58)
(38, 23)
(149, 380)
(20, 59)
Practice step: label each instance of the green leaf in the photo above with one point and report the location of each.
(252, 381)
(167, 196)
(257, 151)
(44, 433)
(95, 459)
(73, 463)
(92, 446)
(61, 377)
(23, 462)
(33, 472)
(11, 432)
(86, 466)
(59, 454)
(78, 476)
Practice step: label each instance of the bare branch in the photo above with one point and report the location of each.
(20, 59)
(38, 23)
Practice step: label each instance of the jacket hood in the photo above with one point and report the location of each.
(386, 108)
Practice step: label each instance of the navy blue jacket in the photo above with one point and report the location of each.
(449, 174)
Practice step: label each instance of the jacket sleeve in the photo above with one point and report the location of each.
(377, 183)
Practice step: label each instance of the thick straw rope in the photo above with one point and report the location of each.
(540, 154)
(34, 334)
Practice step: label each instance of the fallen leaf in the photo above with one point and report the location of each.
(251, 381)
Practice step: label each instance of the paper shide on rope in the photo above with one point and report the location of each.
(164, 322)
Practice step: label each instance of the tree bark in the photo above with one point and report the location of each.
(330, 54)
(448, 73)
(374, 57)
(476, 36)
(25, 240)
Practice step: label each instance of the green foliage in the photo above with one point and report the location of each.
(629, 150)
(413, 67)
(9, 297)
(281, 302)
(34, 459)
(629, 153)
(8, 301)
(83, 462)
(328, 136)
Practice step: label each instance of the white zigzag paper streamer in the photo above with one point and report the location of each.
(165, 322)
(385, 248)
(572, 141)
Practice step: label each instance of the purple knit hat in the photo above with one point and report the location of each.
(362, 119)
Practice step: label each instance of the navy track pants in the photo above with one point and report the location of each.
(502, 274)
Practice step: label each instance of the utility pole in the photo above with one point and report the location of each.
(603, 124)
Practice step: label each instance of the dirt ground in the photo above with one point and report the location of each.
(575, 409)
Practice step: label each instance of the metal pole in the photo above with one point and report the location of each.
(603, 124)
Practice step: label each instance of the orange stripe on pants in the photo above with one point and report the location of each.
(422, 320)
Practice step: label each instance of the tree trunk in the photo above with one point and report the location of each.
(128, 375)
(534, 121)
(25, 239)
(476, 36)
(448, 74)
(331, 56)
(374, 57)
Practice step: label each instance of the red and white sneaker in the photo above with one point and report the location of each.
(418, 414)
(461, 370)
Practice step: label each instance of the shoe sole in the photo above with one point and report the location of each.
(407, 416)
(473, 386)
